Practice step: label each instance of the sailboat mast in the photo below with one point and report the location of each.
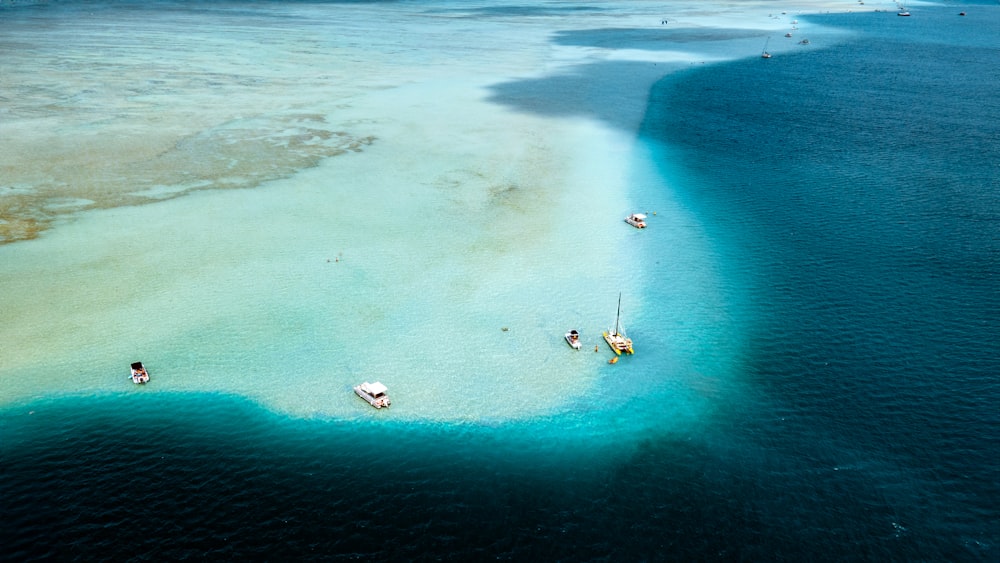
(619, 314)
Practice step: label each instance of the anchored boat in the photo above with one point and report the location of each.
(616, 338)
(375, 393)
(764, 54)
(138, 374)
(573, 339)
(637, 220)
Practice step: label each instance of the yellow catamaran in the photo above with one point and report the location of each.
(617, 339)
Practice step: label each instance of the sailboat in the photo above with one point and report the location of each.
(764, 54)
(617, 339)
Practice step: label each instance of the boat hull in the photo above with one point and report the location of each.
(637, 220)
(377, 402)
(618, 343)
(573, 339)
(138, 374)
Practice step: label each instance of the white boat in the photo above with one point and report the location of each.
(374, 393)
(573, 339)
(616, 338)
(138, 374)
(637, 220)
(764, 54)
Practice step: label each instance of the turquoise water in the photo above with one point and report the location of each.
(285, 227)
(813, 304)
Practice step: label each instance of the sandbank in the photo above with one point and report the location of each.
(378, 203)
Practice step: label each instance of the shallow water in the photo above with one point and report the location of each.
(328, 231)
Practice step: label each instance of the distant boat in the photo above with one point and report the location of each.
(375, 393)
(138, 374)
(573, 339)
(764, 54)
(903, 13)
(616, 338)
(637, 220)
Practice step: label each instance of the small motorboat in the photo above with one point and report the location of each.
(374, 393)
(637, 220)
(138, 374)
(573, 339)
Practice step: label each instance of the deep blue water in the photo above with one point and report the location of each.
(852, 196)
(857, 196)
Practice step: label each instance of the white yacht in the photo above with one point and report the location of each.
(573, 339)
(138, 374)
(637, 220)
(374, 393)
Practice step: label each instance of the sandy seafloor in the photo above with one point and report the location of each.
(280, 200)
